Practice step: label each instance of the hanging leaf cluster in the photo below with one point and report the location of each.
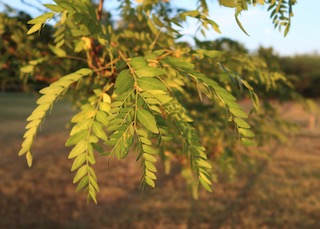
(134, 89)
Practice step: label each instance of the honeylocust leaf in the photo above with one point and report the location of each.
(78, 149)
(151, 84)
(80, 173)
(124, 81)
(147, 120)
(150, 182)
(149, 72)
(138, 62)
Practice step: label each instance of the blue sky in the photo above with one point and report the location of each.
(304, 36)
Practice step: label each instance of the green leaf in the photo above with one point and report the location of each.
(205, 178)
(83, 116)
(203, 163)
(150, 166)
(78, 149)
(29, 158)
(94, 184)
(76, 138)
(149, 72)
(80, 173)
(214, 25)
(150, 182)
(81, 126)
(145, 141)
(92, 195)
(52, 89)
(238, 112)
(224, 94)
(151, 84)
(102, 117)
(149, 149)
(58, 51)
(246, 132)
(205, 185)
(149, 157)
(248, 142)
(78, 162)
(192, 13)
(27, 69)
(41, 19)
(104, 107)
(97, 129)
(46, 99)
(36, 115)
(83, 183)
(84, 71)
(150, 174)
(148, 120)
(34, 29)
(54, 8)
(152, 27)
(124, 81)
(228, 3)
(138, 62)
(33, 123)
(241, 123)
(176, 62)
(240, 25)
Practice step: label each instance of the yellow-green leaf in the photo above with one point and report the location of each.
(151, 84)
(149, 72)
(147, 120)
(78, 162)
(150, 182)
(80, 173)
(78, 149)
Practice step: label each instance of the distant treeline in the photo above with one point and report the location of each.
(304, 71)
(15, 52)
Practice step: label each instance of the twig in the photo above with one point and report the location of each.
(99, 14)
(34, 6)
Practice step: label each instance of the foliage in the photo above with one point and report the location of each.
(13, 55)
(26, 61)
(138, 89)
(304, 70)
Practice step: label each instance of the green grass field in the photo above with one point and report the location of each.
(280, 192)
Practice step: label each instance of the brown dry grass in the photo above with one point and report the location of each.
(282, 192)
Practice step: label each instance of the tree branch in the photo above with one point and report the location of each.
(100, 7)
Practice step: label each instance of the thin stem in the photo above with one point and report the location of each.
(72, 57)
(155, 40)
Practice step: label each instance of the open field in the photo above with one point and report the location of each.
(281, 192)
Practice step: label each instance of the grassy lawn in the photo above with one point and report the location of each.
(281, 192)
